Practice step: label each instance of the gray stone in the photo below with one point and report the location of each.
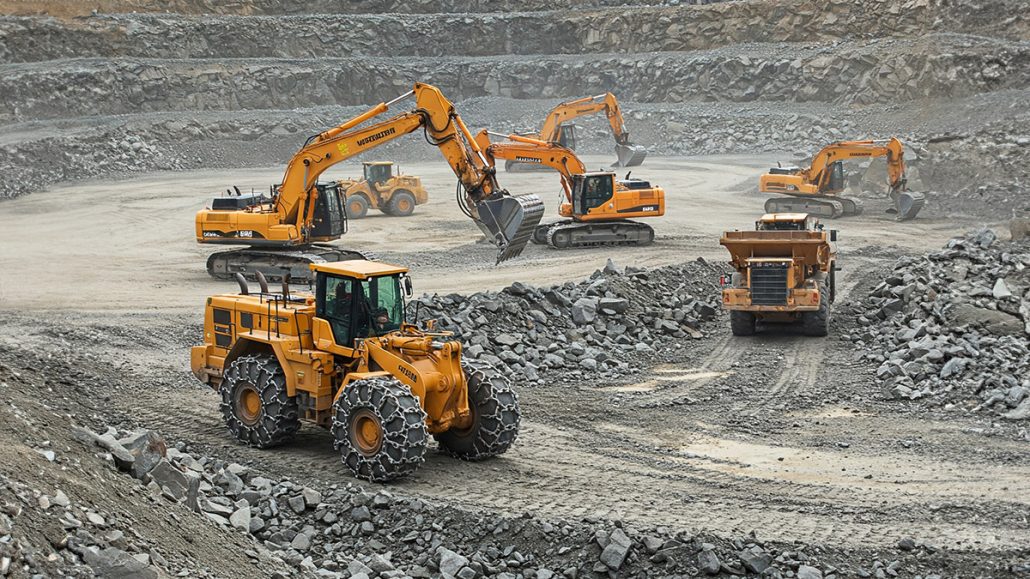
(614, 555)
(361, 514)
(450, 562)
(113, 563)
(297, 504)
(506, 339)
(147, 448)
(953, 367)
(617, 305)
(584, 310)
(808, 572)
(311, 497)
(708, 562)
(1001, 290)
(241, 519)
(995, 322)
(171, 480)
(301, 542)
(755, 559)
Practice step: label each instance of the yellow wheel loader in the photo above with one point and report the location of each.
(393, 194)
(345, 358)
(785, 274)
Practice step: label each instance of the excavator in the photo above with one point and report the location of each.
(597, 205)
(554, 131)
(815, 190)
(289, 229)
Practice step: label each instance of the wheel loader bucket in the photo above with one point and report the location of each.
(907, 204)
(629, 155)
(508, 222)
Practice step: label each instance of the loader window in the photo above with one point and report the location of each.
(377, 174)
(336, 305)
(382, 306)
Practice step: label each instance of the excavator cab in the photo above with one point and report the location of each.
(837, 178)
(378, 172)
(590, 190)
(330, 218)
(567, 136)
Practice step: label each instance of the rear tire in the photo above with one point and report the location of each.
(817, 323)
(255, 406)
(357, 206)
(379, 429)
(495, 416)
(402, 203)
(742, 323)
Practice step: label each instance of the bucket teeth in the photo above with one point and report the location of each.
(508, 222)
(629, 155)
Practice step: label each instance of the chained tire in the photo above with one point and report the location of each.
(495, 416)
(255, 406)
(379, 428)
(817, 323)
(742, 323)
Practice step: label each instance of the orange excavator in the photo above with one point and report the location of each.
(597, 206)
(288, 230)
(556, 131)
(815, 190)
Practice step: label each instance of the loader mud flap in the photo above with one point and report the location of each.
(629, 155)
(907, 204)
(508, 222)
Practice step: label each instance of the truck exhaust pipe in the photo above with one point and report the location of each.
(508, 222)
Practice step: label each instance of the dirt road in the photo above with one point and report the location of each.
(783, 434)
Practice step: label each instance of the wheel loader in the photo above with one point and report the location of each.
(785, 274)
(345, 358)
(393, 194)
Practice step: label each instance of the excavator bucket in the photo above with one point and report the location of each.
(907, 204)
(629, 155)
(508, 222)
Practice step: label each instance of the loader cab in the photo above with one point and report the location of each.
(836, 178)
(360, 299)
(591, 190)
(379, 172)
(567, 136)
(330, 219)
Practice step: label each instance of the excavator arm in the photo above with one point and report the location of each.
(528, 150)
(629, 155)
(507, 221)
(893, 150)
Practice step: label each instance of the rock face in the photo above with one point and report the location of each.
(605, 324)
(953, 326)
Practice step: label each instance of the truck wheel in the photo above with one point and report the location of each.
(380, 429)
(357, 206)
(817, 323)
(255, 406)
(495, 416)
(402, 203)
(742, 323)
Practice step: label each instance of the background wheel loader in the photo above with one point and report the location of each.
(345, 358)
(393, 194)
(785, 274)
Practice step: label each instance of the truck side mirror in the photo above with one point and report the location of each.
(833, 235)
(409, 290)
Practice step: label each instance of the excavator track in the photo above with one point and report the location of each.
(814, 206)
(570, 234)
(274, 264)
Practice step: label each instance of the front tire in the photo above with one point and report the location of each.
(357, 206)
(817, 323)
(255, 406)
(402, 203)
(379, 429)
(495, 416)
(742, 323)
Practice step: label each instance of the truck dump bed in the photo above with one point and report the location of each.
(812, 247)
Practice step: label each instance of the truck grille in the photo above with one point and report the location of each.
(769, 284)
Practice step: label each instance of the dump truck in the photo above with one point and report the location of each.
(785, 273)
(394, 194)
(346, 358)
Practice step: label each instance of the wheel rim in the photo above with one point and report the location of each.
(366, 433)
(404, 205)
(355, 207)
(248, 405)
